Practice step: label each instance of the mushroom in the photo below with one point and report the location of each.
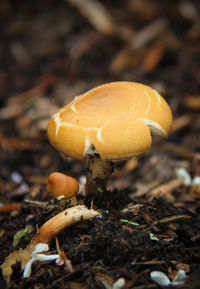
(109, 123)
(63, 188)
(35, 251)
(51, 229)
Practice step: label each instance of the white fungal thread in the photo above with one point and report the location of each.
(99, 136)
(149, 102)
(56, 118)
(154, 127)
(87, 146)
(73, 108)
(157, 96)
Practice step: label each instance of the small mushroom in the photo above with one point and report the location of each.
(109, 123)
(39, 245)
(51, 229)
(63, 188)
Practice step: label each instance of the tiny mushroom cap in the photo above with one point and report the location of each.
(117, 119)
(62, 186)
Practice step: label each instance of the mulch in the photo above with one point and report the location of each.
(54, 50)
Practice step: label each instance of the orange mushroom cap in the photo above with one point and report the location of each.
(116, 118)
(62, 186)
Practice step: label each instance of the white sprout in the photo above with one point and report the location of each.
(37, 256)
(120, 283)
(196, 181)
(161, 278)
(179, 278)
(183, 175)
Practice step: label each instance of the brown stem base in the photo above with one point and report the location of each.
(98, 173)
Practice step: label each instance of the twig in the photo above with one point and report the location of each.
(172, 219)
(181, 122)
(166, 188)
(96, 14)
(148, 33)
(143, 190)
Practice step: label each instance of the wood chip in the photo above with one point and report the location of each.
(10, 112)
(126, 58)
(96, 14)
(37, 179)
(151, 262)
(132, 208)
(172, 219)
(17, 143)
(181, 122)
(195, 238)
(166, 188)
(2, 232)
(192, 101)
(180, 151)
(75, 285)
(148, 33)
(10, 207)
(131, 165)
(143, 189)
(153, 56)
(182, 266)
(104, 279)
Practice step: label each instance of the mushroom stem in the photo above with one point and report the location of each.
(50, 230)
(62, 220)
(40, 243)
(98, 172)
(66, 203)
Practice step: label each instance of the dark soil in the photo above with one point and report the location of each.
(49, 53)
